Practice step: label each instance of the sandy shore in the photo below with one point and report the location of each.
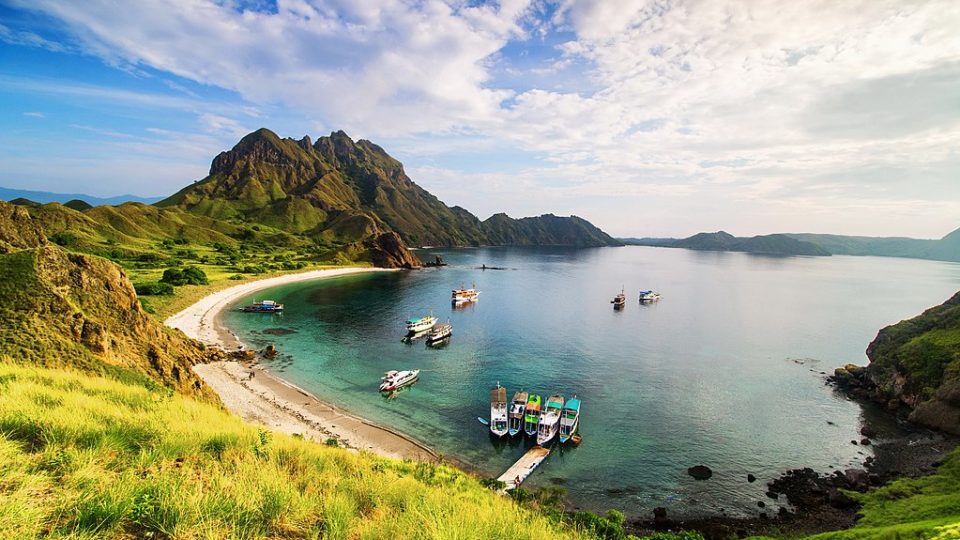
(257, 396)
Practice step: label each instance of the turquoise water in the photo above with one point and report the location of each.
(723, 371)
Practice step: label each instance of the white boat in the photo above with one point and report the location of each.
(569, 419)
(550, 421)
(498, 411)
(264, 306)
(440, 334)
(462, 295)
(393, 380)
(649, 296)
(518, 408)
(415, 326)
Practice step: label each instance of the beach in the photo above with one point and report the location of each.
(254, 394)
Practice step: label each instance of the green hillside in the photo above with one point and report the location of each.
(771, 244)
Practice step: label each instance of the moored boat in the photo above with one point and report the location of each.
(649, 296)
(569, 419)
(464, 295)
(531, 417)
(263, 306)
(517, 409)
(393, 380)
(619, 300)
(550, 420)
(415, 326)
(440, 334)
(498, 410)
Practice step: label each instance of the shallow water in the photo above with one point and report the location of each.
(724, 371)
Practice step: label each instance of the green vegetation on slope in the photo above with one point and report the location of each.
(927, 507)
(87, 457)
(771, 244)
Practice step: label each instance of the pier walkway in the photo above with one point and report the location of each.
(523, 467)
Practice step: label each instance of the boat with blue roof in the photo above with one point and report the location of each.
(569, 419)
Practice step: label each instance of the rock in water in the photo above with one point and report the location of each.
(751, 478)
(700, 472)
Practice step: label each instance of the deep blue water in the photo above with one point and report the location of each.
(725, 370)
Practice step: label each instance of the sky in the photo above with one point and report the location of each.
(646, 117)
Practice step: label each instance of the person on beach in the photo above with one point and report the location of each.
(251, 376)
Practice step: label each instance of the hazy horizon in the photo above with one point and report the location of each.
(646, 118)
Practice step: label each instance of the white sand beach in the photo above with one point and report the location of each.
(257, 396)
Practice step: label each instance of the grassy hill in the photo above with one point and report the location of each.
(771, 244)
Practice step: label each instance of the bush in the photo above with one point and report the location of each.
(64, 239)
(153, 289)
(189, 275)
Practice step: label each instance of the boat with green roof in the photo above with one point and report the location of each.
(569, 419)
(532, 417)
(550, 420)
(415, 326)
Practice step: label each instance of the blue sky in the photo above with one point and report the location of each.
(649, 118)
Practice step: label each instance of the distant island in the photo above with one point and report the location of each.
(944, 249)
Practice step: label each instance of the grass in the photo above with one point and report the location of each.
(89, 457)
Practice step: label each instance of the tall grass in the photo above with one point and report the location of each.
(87, 457)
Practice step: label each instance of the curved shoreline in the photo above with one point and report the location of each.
(256, 395)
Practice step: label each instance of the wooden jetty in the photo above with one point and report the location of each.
(523, 467)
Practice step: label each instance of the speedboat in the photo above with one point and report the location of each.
(462, 295)
(532, 416)
(569, 419)
(619, 300)
(649, 296)
(550, 421)
(415, 326)
(517, 409)
(264, 306)
(498, 411)
(440, 333)
(393, 380)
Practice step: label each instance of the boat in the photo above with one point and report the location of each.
(440, 334)
(498, 410)
(517, 409)
(463, 296)
(550, 420)
(569, 419)
(263, 306)
(531, 417)
(393, 380)
(619, 300)
(649, 296)
(415, 326)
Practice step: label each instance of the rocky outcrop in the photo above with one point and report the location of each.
(18, 230)
(387, 251)
(914, 364)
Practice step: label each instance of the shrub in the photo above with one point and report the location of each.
(153, 289)
(64, 239)
(189, 275)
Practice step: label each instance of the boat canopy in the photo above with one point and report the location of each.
(573, 404)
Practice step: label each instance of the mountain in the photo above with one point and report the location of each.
(352, 192)
(945, 249)
(771, 244)
(7, 194)
(83, 313)
(915, 363)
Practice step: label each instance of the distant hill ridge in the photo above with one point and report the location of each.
(42, 197)
(945, 249)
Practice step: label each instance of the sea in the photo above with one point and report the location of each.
(726, 370)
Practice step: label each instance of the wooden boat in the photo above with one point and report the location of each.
(498, 410)
(619, 300)
(463, 295)
(569, 419)
(263, 306)
(517, 409)
(415, 326)
(550, 420)
(440, 334)
(531, 418)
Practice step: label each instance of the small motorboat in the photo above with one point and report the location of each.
(649, 296)
(569, 419)
(440, 334)
(394, 380)
(498, 410)
(619, 300)
(550, 420)
(263, 306)
(531, 418)
(518, 407)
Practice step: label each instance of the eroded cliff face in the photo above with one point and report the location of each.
(18, 230)
(915, 364)
(70, 310)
